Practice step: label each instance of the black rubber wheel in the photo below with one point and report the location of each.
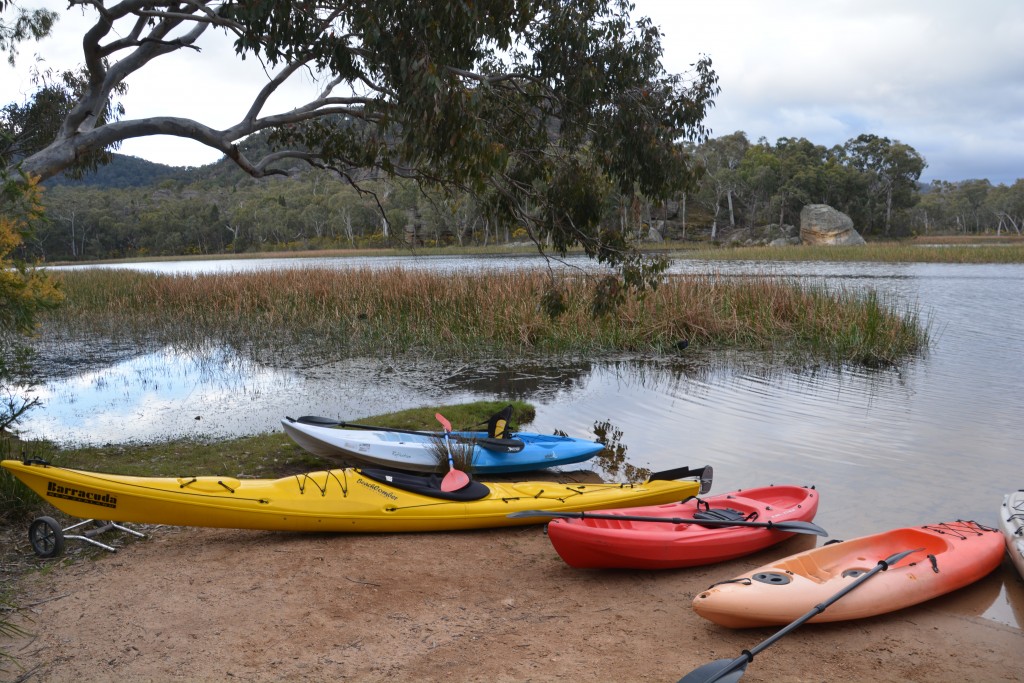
(46, 537)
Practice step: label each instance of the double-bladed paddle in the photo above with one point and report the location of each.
(795, 526)
(731, 670)
(455, 479)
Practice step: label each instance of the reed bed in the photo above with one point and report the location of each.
(371, 312)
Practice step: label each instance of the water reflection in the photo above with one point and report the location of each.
(161, 395)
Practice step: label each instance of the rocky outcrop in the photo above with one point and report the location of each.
(821, 224)
(772, 235)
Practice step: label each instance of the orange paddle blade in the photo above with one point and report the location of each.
(454, 480)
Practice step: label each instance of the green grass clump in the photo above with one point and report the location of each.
(367, 312)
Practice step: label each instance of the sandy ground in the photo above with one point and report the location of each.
(496, 605)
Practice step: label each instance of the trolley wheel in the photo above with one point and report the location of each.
(46, 537)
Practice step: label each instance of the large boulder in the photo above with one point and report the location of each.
(821, 224)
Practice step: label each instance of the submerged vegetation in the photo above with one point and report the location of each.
(367, 312)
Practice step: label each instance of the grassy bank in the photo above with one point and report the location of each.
(370, 312)
(931, 251)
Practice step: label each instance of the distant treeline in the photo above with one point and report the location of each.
(134, 208)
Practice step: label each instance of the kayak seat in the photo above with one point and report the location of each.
(426, 484)
(721, 515)
(498, 424)
(808, 567)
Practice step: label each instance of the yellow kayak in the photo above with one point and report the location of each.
(337, 500)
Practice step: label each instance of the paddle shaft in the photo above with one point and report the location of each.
(794, 526)
(455, 479)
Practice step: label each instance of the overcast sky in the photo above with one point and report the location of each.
(943, 76)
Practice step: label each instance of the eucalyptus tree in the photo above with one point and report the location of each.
(760, 174)
(721, 158)
(1006, 204)
(802, 169)
(533, 101)
(892, 170)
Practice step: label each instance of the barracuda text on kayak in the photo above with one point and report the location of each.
(106, 500)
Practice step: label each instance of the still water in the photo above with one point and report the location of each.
(937, 439)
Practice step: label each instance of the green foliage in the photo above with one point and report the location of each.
(25, 293)
(30, 127)
(26, 25)
(970, 207)
(871, 179)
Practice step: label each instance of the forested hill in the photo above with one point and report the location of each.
(132, 172)
(133, 208)
(126, 171)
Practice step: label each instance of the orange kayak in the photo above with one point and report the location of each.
(946, 556)
(623, 539)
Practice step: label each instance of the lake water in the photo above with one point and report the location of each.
(936, 439)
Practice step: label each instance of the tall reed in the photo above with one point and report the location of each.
(370, 312)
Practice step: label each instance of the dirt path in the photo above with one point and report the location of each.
(499, 605)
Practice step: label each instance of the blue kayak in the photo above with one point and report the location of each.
(416, 451)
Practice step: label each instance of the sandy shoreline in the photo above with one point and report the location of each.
(494, 605)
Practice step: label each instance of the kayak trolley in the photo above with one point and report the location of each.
(48, 537)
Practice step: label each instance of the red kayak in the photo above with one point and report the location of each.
(727, 526)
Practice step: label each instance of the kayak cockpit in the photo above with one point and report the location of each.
(852, 558)
(426, 485)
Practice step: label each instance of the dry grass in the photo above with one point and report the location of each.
(366, 312)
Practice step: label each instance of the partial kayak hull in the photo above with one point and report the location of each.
(1011, 523)
(341, 500)
(631, 544)
(414, 452)
(946, 556)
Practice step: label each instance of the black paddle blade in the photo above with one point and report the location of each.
(706, 475)
(719, 671)
(893, 559)
(798, 527)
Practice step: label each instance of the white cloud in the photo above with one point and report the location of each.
(943, 76)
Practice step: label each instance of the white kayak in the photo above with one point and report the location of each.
(1011, 523)
(415, 451)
